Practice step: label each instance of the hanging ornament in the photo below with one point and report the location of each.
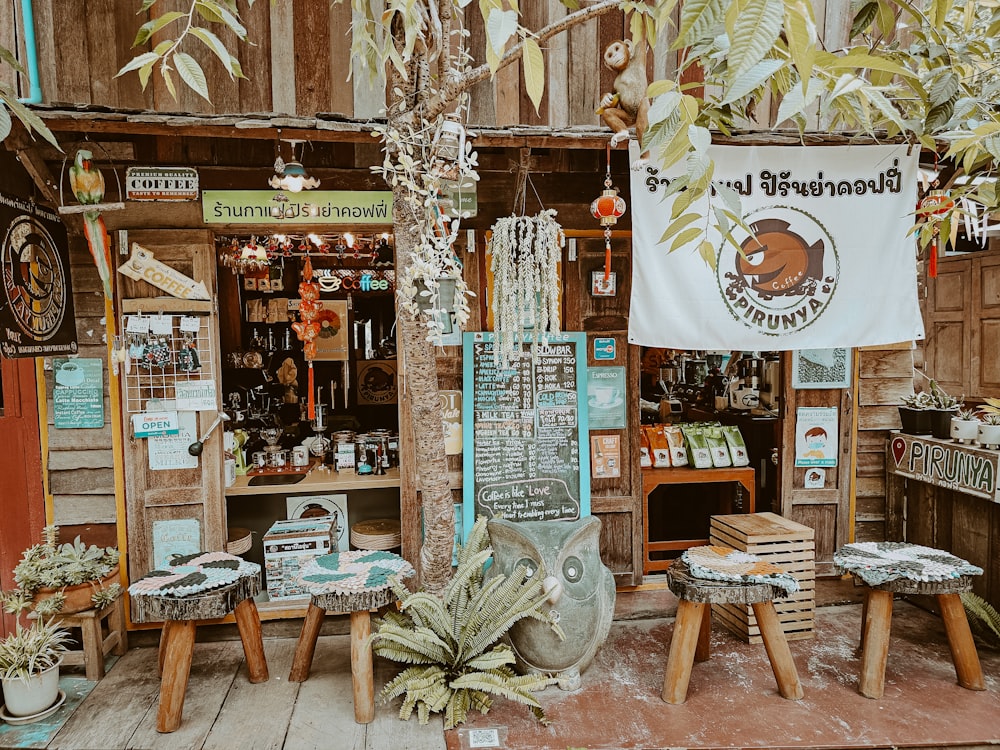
(608, 207)
(933, 206)
(308, 327)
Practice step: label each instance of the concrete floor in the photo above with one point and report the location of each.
(732, 699)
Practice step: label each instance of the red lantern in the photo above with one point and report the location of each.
(608, 207)
(933, 205)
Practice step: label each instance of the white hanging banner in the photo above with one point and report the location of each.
(832, 264)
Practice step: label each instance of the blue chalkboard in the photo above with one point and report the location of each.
(525, 431)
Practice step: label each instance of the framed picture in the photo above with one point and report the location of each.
(821, 368)
(601, 287)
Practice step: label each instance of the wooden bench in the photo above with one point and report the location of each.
(693, 625)
(94, 644)
(180, 616)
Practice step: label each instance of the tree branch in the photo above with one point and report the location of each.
(452, 89)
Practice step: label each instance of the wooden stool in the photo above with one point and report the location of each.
(95, 645)
(359, 604)
(694, 622)
(888, 568)
(180, 615)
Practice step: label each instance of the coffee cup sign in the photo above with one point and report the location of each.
(143, 266)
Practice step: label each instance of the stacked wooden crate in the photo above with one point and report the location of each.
(782, 542)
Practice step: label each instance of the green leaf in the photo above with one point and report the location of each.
(886, 19)
(795, 102)
(229, 19)
(5, 122)
(191, 73)
(534, 71)
(215, 44)
(863, 18)
(151, 27)
(144, 72)
(679, 223)
(29, 119)
(698, 17)
(754, 32)
(751, 79)
(707, 252)
(168, 80)
(8, 57)
(500, 27)
(858, 59)
(137, 62)
(800, 33)
(146, 5)
(685, 237)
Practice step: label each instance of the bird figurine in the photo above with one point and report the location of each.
(87, 184)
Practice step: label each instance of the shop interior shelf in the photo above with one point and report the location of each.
(273, 479)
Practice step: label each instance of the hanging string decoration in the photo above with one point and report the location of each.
(525, 254)
(307, 329)
(608, 207)
(934, 207)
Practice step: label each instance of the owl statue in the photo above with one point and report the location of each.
(566, 555)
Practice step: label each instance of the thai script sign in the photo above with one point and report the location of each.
(953, 466)
(311, 207)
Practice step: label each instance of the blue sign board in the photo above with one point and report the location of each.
(604, 348)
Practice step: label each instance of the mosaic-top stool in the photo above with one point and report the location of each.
(355, 582)
(203, 586)
(708, 575)
(888, 568)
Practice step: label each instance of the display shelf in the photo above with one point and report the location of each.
(318, 481)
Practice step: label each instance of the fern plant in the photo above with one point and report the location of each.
(452, 643)
(984, 620)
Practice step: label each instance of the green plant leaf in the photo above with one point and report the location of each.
(534, 71)
(751, 79)
(151, 27)
(500, 27)
(215, 44)
(755, 29)
(146, 58)
(698, 17)
(685, 237)
(191, 73)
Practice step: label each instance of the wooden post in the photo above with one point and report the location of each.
(176, 670)
(683, 644)
(777, 649)
(306, 646)
(963, 648)
(248, 623)
(362, 672)
(878, 623)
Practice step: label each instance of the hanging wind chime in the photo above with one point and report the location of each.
(608, 207)
(308, 328)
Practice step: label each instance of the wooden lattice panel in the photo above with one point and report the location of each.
(779, 541)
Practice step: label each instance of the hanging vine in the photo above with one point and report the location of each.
(525, 253)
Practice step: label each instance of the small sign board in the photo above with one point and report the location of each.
(161, 184)
(963, 468)
(177, 536)
(78, 393)
(604, 348)
(142, 266)
(196, 395)
(154, 423)
(606, 392)
(171, 451)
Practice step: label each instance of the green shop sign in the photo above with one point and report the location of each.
(312, 207)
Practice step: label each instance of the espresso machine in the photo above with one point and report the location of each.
(670, 378)
(744, 388)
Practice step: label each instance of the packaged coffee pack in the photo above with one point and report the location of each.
(645, 454)
(659, 446)
(675, 442)
(737, 448)
(699, 453)
(718, 447)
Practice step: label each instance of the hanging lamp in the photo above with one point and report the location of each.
(608, 207)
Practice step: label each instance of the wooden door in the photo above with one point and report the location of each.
(825, 509)
(22, 503)
(948, 342)
(985, 323)
(155, 498)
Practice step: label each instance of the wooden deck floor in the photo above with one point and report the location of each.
(223, 711)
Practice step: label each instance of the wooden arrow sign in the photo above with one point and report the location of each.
(142, 266)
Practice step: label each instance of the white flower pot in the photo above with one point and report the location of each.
(989, 435)
(31, 696)
(964, 430)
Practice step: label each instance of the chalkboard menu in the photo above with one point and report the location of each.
(525, 431)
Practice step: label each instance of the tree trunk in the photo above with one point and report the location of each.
(419, 365)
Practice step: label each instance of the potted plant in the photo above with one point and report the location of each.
(55, 578)
(915, 413)
(965, 426)
(29, 667)
(943, 408)
(989, 429)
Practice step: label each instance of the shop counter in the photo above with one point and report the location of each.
(314, 481)
(652, 478)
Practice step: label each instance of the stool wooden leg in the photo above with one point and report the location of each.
(306, 646)
(864, 623)
(93, 653)
(778, 652)
(963, 648)
(162, 650)
(248, 623)
(878, 623)
(117, 621)
(176, 671)
(704, 649)
(362, 673)
(687, 627)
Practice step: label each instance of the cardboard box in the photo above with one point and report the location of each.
(291, 543)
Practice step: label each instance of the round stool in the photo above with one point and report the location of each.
(355, 582)
(204, 586)
(888, 568)
(693, 624)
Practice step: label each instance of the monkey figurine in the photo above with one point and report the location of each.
(627, 104)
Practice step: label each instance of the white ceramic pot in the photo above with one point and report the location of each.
(964, 430)
(989, 435)
(34, 695)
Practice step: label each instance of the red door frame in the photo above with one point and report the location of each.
(22, 499)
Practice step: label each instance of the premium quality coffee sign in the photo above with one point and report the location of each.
(36, 308)
(944, 464)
